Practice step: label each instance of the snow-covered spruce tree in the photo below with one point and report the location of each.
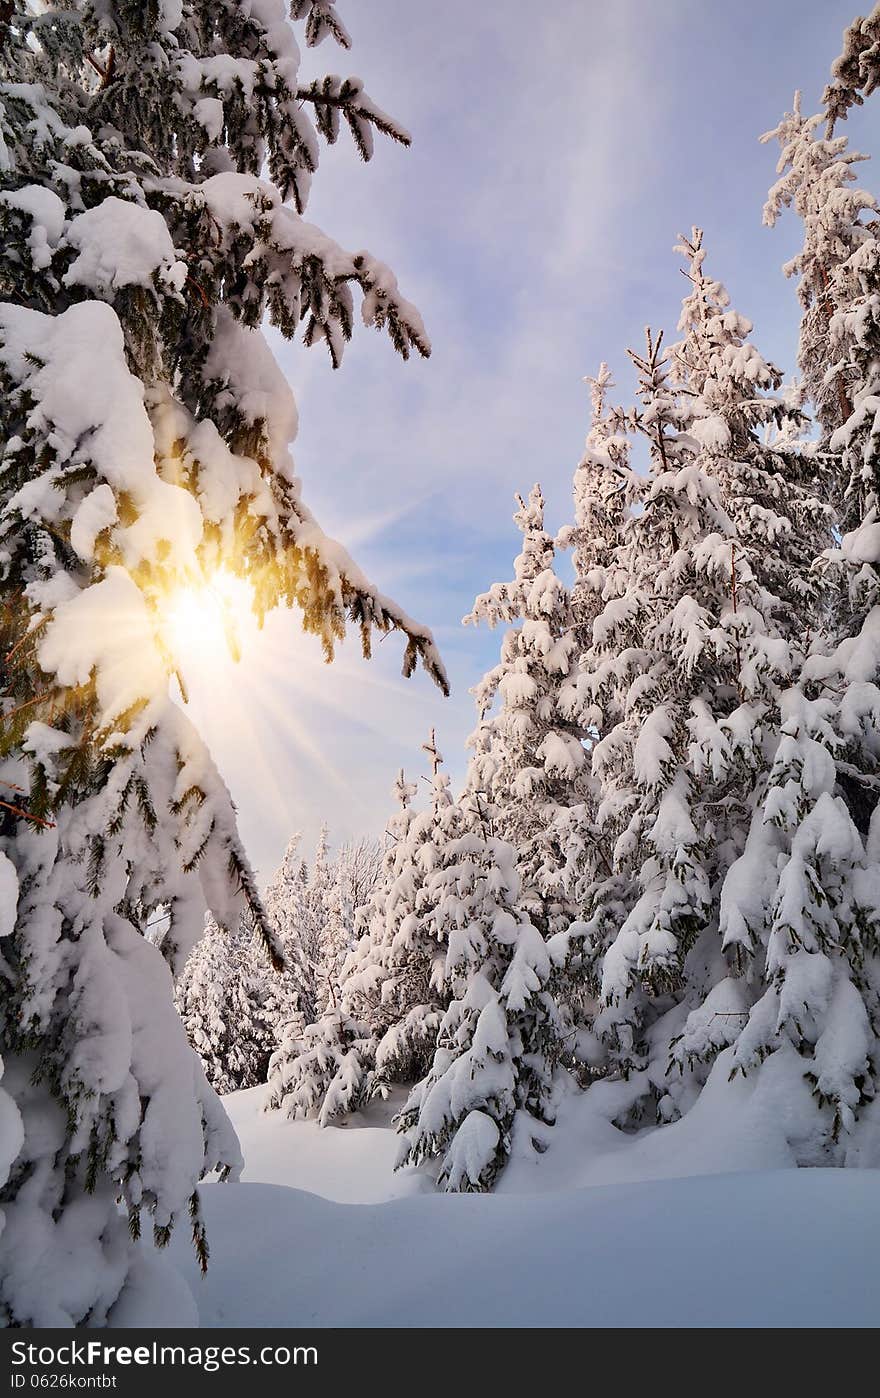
(529, 758)
(314, 911)
(855, 73)
(603, 490)
(293, 991)
(620, 677)
(854, 343)
(223, 998)
(358, 869)
(320, 877)
(394, 978)
(336, 944)
(146, 429)
(802, 904)
(687, 669)
(323, 928)
(391, 997)
(500, 1036)
(851, 352)
(823, 933)
(294, 901)
(326, 1068)
(601, 865)
(818, 181)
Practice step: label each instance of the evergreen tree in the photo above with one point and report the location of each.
(393, 978)
(324, 1070)
(295, 992)
(322, 932)
(320, 878)
(223, 998)
(529, 758)
(603, 491)
(316, 912)
(499, 1038)
(687, 668)
(384, 1022)
(855, 343)
(338, 941)
(802, 904)
(358, 869)
(297, 899)
(817, 180)
(146, 430)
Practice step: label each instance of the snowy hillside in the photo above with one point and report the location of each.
(321, 1220)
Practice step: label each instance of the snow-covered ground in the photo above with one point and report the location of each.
(322, 1232)
(348, 1164)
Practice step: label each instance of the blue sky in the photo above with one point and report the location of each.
(558, 149)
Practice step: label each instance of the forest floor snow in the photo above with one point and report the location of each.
(600, 1230)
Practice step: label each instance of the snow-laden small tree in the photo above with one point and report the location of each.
(529, 759)
(320, 878)
(315, 912)
(393, 979)
(384, 1024)
(499, 1038)
(616, 693)
(296, 992)
(338, 942)
(358, 869)
(146, 430)
(603, 491)
(687, 668)
(324, 1070)
(224, 999)
(324, 932)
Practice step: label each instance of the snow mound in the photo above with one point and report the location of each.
(664, 1235)
(788, 1248)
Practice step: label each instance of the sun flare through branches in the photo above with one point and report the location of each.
(203, 622)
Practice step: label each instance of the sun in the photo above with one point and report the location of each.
(203, 623)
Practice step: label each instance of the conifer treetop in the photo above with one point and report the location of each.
(856, 70)
(435, 757)
(606, 439)
(660, 415)
(529, 756)
(604, 489)
(818, 181)
(728, 381)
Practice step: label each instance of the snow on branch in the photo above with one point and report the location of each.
(322, 22)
